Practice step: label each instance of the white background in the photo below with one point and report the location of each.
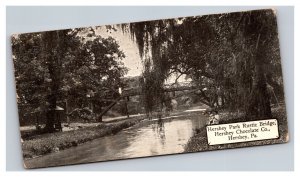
(196, 161)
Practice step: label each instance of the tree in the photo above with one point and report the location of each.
(152, 38)
(29, 73)
(101, 75)
(57, 66)
(232, 58)
(262, 33)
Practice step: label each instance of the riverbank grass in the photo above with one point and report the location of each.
(48, 143)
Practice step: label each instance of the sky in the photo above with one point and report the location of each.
(132, 60)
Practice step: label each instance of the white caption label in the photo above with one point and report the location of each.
(242, 132)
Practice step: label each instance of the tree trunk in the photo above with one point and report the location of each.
(259, 102)
(53, 54)
(52, 98)
(126, 106)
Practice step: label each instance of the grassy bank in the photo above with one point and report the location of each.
(199, 141)
(47, 143)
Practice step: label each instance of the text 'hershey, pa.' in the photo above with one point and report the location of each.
(242, 132)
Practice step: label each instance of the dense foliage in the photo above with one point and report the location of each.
(76, 69)
(232, 58)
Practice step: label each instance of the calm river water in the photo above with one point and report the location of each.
(149, 138)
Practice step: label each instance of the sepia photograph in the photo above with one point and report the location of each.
(150, 88)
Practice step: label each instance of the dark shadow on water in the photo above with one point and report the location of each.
(149, 138)
(161, 131)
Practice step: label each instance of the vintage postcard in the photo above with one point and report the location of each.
(149, 88)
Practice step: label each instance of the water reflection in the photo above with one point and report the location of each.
(150, 138)
(161, 131)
